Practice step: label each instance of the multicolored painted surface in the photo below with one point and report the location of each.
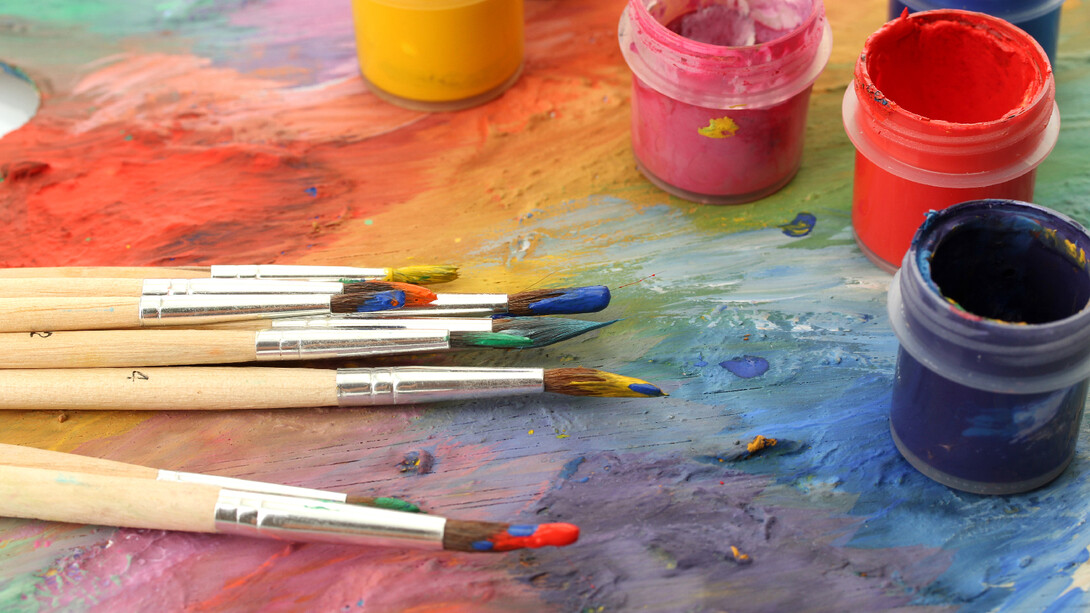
(191, 132)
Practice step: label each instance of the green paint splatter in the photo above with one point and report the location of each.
(396, 504)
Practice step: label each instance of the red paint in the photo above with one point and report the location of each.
(947, 106)
(546, 535)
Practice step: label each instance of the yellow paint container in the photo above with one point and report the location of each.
(439, 55)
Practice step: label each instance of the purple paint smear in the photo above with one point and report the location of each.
(747, 366)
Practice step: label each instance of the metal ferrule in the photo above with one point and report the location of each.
(281, 271)
(449, 305)
(284, 344)
(245, 485)
(170, 287)
(450, 324)
(298, 519)
(411, 384)
(175, 310)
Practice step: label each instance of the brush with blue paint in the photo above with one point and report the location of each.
(98, 313)
(209, 388)
(99, 499)
(32, 457)
(556, 301)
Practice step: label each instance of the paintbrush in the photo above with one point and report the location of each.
(540, 331)
(66, 313)
(227, 388)
(419, 275)
(556, 301)
(84, 498)
(166, 347)
(32, 457)
(415, 295)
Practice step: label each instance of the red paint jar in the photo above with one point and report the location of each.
(722, 122)
(946, 106)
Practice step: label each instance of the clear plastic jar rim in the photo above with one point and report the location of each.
(1019, 165)
(722, 100)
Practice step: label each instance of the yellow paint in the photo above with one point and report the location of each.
(438, 50)
(723, 127)
(738, 555)
(531, 433)
(760, 442)
(47, 429)
(612, 385)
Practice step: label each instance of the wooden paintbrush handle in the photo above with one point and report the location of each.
(43, 287)
(32, 457)
(84, 498)
(115, 272)
(49, 314)
(165, 389)
(106, 348)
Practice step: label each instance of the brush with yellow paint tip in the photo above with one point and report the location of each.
(32, 457)
(230, 388)
(419, 275)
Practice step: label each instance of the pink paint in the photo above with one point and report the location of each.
(720, 94)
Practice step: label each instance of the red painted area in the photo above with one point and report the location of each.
(888, 209)
(546, 535)
(955, 70)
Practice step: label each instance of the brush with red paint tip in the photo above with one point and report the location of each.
(72, 496)
(67, 313)
(480, 536)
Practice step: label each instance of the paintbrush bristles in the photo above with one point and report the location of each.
(423, 275)
(590, 382)
(484, 536)
(362, 302)
(415, 295)
(559, 301)
(459, 535)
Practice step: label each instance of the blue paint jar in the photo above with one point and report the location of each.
(991, 310)
(1041, 19)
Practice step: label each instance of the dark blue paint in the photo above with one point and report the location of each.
(569, 469)
(747, 366)
(801, 225)
(979, 436)
(312, 192)
(382, 301)
(1045, 28)
(991, 311)
(483, 545)
(588, 299)
(646, 389)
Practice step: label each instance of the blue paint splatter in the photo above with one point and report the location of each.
(522, 529)
(382, 301)
(588, 299)
(312, 192)
(483, 545)
(801, 225)
(417, 463)
(700, 361)
(569, 468)
(747, 366)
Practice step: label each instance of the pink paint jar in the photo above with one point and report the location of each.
(946, 106)
(720, 91)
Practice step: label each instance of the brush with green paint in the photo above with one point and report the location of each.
(31, 457)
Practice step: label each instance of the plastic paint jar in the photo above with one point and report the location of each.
(1039, 18)
(946, 106)
(720, 91)
(990, 308)
(439, 55)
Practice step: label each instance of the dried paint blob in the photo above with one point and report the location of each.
(747, 366)
(800, 226)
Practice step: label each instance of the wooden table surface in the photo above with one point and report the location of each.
(184, 132)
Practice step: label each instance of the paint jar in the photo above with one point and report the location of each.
(946, 106)
(720, 91)
(1039, 18)
(990, 308)
(439, 55)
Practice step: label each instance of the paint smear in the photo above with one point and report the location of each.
(722, 127)
(747, 366)
(801, 225)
